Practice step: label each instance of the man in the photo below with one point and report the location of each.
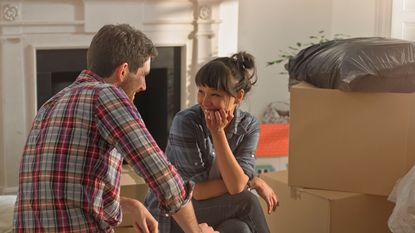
(69, 181)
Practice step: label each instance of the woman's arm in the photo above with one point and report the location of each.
(232, 173)
(209, 189)
(266, 192)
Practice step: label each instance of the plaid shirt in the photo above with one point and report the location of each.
(69, 181)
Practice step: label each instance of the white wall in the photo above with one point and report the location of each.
(26, 26)
(266, 26)
(228, 33)
(354, 17)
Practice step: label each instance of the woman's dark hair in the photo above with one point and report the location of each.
(230, 74)
(115, 44)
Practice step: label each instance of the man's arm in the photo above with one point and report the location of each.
(145, 222)
(142, 219)
(131, 138)
(186, 219)
(119, 123)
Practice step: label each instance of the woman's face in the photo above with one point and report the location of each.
(213, 100)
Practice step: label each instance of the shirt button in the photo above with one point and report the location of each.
(195, 164)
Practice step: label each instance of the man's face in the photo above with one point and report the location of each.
(136, 82)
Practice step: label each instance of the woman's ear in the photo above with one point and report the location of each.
(240, 96)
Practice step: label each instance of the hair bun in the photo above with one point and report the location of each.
(244, 60)
(245, 63)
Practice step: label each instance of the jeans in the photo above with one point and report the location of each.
(240, 213)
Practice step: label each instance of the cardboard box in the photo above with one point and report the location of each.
(350, 141)
(128, 229)
(323, 211)
(132, 186)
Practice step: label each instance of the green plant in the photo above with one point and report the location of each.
(292, 50)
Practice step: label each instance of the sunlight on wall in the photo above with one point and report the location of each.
(228, 32)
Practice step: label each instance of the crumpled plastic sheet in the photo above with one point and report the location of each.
(402, 219)
(370, 64)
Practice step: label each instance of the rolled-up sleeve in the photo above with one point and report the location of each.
(120, 124)
(246, 150)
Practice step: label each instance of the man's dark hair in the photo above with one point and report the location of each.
(115, 44)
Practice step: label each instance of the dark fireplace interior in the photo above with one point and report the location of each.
(58, 68)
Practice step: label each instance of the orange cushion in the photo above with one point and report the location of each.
(273, 140)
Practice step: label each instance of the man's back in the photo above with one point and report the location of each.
(67, 176)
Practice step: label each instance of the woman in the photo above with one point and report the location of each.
(213, 145)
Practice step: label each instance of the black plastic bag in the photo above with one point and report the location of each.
(372, 64)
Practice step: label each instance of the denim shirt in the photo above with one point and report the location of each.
(190, 149)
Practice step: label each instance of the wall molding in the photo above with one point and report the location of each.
(9, 190)
(383, 18)
(71, 24)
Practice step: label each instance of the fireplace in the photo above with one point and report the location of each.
(194, 31)
(57, 68)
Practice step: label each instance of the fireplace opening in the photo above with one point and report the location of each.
(57, 68)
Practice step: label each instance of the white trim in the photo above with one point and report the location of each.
(383, 18)
(9, 190)
(26, 31)
(43, 23)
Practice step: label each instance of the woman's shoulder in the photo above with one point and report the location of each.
(247, 118)
(247, 121)
(193, 112)
(191, 115)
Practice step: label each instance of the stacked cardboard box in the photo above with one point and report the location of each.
(132, 186)
(125, 229)
(346, 152)
(350, 141)
(323, 211)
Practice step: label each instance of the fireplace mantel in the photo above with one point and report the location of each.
(27, 26)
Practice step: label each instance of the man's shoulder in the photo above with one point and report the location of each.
(108, 91)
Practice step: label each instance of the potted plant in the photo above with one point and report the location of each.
(292, 50)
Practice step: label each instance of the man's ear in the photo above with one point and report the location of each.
(121, 72)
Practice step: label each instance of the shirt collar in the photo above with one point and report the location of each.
(89, 76)
(235, 126)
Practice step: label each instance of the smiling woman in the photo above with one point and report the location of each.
(212, 144)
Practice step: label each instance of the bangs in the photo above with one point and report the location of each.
(215, 75)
